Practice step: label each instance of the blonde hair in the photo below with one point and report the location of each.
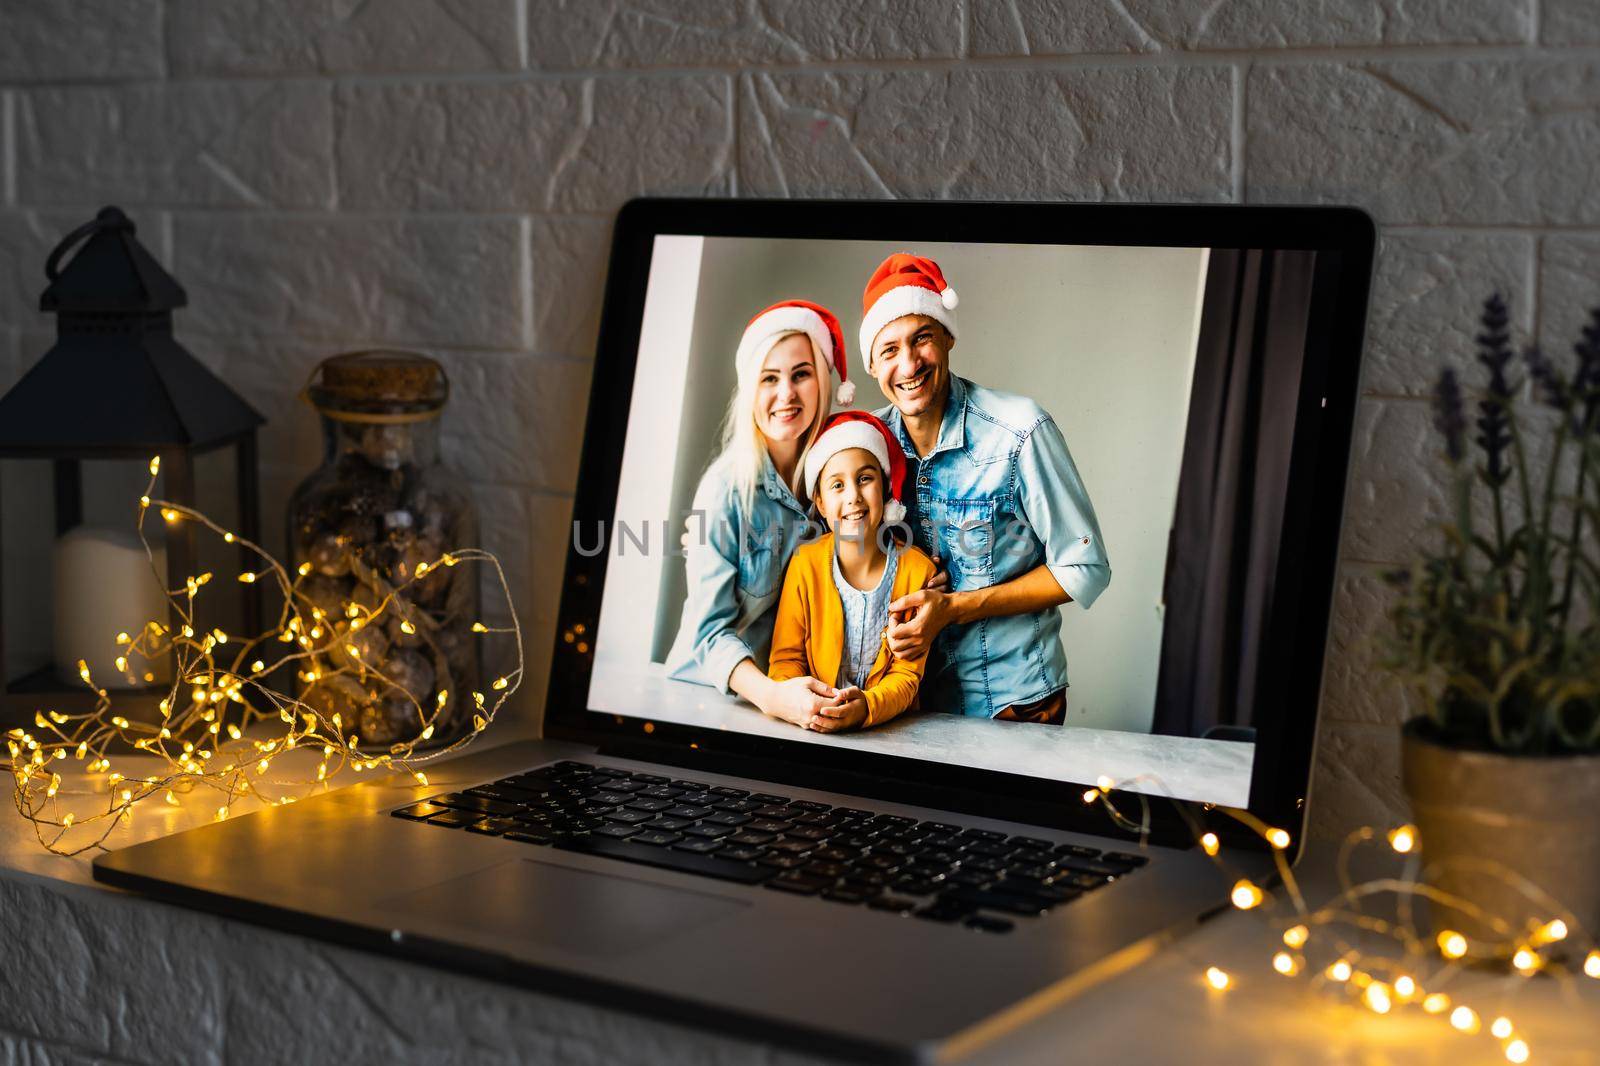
(744, 446)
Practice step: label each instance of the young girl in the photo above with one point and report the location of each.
(836, 593)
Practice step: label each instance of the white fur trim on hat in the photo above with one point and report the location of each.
(906, 300)
(843, 437)
(894, 511)
(779, 321)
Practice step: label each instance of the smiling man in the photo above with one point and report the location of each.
(994, 496)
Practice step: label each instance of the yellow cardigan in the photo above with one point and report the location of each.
(808, 633)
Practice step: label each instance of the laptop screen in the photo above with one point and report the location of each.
(1045, 542)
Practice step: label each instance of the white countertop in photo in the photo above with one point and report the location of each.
(1207, 770)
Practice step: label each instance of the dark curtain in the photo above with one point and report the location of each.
(1226, 529)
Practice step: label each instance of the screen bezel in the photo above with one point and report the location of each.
(1319, 462)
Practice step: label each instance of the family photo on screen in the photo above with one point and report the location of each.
(854, 565)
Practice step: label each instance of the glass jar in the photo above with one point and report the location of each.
(381, 505)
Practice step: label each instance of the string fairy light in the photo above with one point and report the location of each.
(1379, 981)
(208, 697)
(216, 729)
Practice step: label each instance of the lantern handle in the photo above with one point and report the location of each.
(107, 218)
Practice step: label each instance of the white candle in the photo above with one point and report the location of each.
(103, 586)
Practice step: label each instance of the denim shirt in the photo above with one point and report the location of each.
(997, 496)
(734, 564)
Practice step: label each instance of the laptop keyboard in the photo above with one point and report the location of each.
(938, 871)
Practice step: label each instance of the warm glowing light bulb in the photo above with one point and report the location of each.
(1278, 838)
(1210, 843)
(248, 578)
(1377, 997)
(1591, 964)
(1218, 979)
(1403, 838)
(1553, 930)
(170, 515)
(479, 627)
(1517, 1051)
(155, 466)
(1091, 795)
(1436, 1003)
(1245, 894)
(1405, 987)
(1285, 964)
(500, 683)
(422, 778)
(1500, 1027)
(407, 628)
(1526, 961)
(1452, 945)
(1340, 971)
(1296, 936)
(1464, 1019)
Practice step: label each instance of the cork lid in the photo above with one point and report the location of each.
(378, 385)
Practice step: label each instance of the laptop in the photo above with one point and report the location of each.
(1140, 428)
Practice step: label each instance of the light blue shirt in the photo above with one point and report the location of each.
(866, 616)
(997, 496)
(734, 565)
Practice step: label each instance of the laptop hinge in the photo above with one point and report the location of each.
(879, 786)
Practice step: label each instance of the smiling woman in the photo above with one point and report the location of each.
(752, 512)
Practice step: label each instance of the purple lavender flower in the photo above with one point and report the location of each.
(1586, 379)
(1449, 416)
(1494, 344)
(1494, 417)
(1548, 383)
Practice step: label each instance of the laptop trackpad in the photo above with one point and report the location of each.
(602, 914)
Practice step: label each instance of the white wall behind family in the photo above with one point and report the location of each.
(1103, 338)
(444, 175)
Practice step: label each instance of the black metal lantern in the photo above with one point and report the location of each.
(117, 386)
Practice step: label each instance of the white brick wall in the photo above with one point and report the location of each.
(442, 174)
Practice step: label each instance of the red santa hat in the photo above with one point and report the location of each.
(796, 316)
(904, 284)
(858, 429)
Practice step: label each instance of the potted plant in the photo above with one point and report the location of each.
(1494, 629)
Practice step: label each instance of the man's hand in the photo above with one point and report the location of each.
(916, 619)
(798, 700)
(849, 711)
(940, 581)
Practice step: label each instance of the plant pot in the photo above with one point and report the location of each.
(1517, 836)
